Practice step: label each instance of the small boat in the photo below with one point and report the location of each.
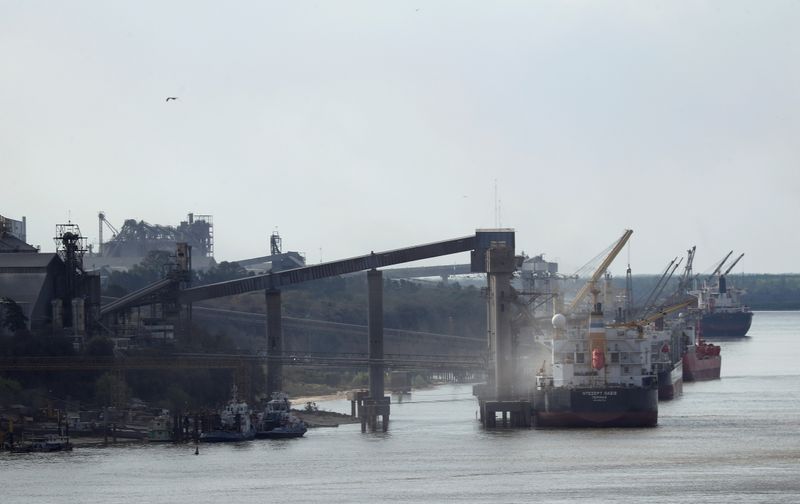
(292, 428)
(277, 421)
(160, 429)
(42, 444)
(232, 424)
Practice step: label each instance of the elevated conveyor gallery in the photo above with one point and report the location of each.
(271, 283)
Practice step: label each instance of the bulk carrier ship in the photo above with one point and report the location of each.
(586, 389)
(723, 313)
(701, 360)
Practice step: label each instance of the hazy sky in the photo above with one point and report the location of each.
(358, 126)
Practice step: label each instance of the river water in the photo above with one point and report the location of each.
(732, 440)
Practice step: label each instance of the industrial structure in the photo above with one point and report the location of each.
(72, 295)
(135, 239)
(499, 243)
(277, 260)
(53, 291)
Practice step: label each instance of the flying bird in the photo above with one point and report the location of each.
(171, 98)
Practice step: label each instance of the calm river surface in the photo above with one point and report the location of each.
(732, 440)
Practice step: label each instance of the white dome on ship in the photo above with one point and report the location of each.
(559, 321)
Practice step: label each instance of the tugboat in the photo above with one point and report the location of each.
(277, 421)
(160, 428)
(231, 424)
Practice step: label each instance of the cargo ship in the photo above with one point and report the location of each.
(603, 378)
(667, 355)
(724, 315)
(668, 365)
(701, 360)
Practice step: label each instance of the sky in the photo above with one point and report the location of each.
(352, 127)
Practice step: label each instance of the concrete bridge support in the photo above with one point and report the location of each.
(500, 265)
(377, 404)
(274, 342)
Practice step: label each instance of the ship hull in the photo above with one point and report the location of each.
(726, 324)
(701, 368)
(595, 407)
(670, 383)
(226, 436)
(281, 433)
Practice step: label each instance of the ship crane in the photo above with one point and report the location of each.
(659, 314)
(683, 282)
(591, 285)
(659, 288)
(719, 266)
(732, 265)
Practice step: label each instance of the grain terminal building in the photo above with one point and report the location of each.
(51, 289)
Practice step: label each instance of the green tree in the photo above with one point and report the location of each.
(9, 390)
(11, 316)
(110, 390)
(99, 347)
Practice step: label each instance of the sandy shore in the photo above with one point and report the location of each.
(300, 402)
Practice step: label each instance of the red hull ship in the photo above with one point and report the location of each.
(701, 361)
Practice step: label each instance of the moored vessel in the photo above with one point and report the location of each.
(231, 424)
(160, 429)
(701, 360)
(724, 315)
(41, 444)
(277, 421)
(603, 380)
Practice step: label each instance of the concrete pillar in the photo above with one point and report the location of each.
(274, 342)
(58, 315)
(500, 265)
(375, 323)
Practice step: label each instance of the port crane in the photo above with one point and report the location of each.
(101, 217)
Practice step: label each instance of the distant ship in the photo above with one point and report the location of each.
(723, 313)
(701, 360)
(668, 364)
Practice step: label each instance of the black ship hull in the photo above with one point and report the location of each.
(595, 407)
(726, 324)
(670, 382)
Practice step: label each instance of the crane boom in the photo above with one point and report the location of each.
(719, 266)
(687, 271)
(660, 288)
(659, 314)
(654, 292)
(590, 285)
(732, 265)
